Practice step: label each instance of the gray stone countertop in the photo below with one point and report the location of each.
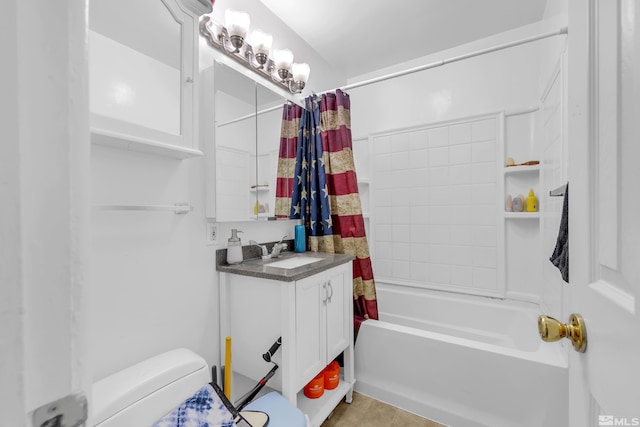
(257, 267)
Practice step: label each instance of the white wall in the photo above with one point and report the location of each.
(154, 281)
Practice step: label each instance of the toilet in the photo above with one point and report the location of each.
(143, 393)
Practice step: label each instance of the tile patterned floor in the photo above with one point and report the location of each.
(365, 411)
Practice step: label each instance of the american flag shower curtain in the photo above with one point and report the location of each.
(325, 192)
(291, 114)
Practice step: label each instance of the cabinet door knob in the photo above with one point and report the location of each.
(331, 294)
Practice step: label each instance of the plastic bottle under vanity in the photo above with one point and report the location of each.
(234, 248)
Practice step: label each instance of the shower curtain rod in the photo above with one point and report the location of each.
(560, 31)
(248, 116)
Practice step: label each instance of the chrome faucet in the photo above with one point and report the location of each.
(265, 251)
(278, 247)
(275, 251)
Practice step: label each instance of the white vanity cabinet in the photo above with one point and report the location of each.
(314, 317)
(142, 75)
(322, 329)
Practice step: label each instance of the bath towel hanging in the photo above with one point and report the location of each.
(560, 256)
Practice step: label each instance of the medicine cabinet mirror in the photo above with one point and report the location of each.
(248, 120)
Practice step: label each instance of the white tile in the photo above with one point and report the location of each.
(401, 233)
(382, 144)
(439, 137)
(383, 233)
(383, 215)
(418, 139)
(399, 179)
(438, 175)
(482, 194)
(421, 196)
(399, 142)
(439, 273)
(383, 197)
(484, 257)
(384, 251)
(383, 162)
(482, 173)
(484, 151)
(439, 196)
(460, 194)
(439, 156)
(419, 215)
(459, 134)
(384, 268)
(401, 251)
(484, 215)
(440, 254)
(461, 276)
(461, 255)
(460, 215)
(436, 234)
(460, 154)
(485, 278)
(400, 215)
(402, 197)
(418, 159)
(439, 215)
(459, 174)
(485, 235)
(400, 160)
(419, 252)
(402, 270)
(483, 130)
(420, 271)
(461, 234)
(420, 233)
(419, 177)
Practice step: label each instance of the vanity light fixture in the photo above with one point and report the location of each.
(232, 40)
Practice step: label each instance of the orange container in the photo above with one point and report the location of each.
(332, 375)
(315, 388)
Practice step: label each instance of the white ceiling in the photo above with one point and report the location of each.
(360, 36)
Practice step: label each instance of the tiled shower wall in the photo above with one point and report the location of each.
(435, 201)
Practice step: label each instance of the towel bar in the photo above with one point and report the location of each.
(178, 208)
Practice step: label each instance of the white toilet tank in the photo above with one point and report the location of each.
(143, 393)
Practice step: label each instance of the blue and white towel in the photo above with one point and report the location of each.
(204, 409)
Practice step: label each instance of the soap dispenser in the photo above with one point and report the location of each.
(234, 248)
(531, 204)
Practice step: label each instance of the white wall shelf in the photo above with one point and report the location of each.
(128, 142)
(522, 215)
(521, 169)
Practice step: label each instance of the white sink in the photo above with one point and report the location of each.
(294, 262)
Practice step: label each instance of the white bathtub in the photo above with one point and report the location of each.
(461, 360)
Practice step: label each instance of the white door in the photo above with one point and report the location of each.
(604, 210)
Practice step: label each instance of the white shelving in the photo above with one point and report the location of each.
(522, 215)
(325, 404)
(521, 169)
(129, 142)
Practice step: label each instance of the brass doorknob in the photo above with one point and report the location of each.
(552, 330)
